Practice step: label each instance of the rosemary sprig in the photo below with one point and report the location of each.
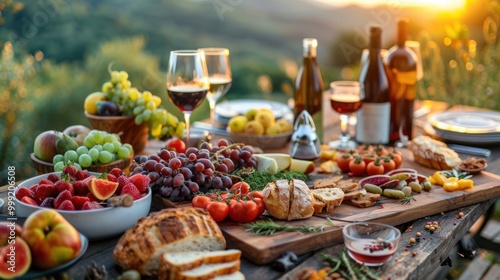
(456, 174)
(269, 227)
(347, 268)
(407, 199)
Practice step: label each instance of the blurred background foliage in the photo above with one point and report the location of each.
(55, 52)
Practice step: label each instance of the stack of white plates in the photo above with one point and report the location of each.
(225, 110)
(474, 127)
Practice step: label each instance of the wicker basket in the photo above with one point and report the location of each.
(135, 135)
(43, 167)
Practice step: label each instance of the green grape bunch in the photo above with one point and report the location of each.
(143, 106)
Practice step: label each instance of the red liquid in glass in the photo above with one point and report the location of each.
(359, 251)
(345, 103)
(187, 98)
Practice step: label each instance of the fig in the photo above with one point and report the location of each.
(389, 184)
(376, 180)
(107, 108)
(21, 263)
(102, 189)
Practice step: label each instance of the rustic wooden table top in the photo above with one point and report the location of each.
(430, 256)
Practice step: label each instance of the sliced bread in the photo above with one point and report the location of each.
(364, 201)
(347, 185)
(209, 271)
(326, 182)
(332, 197)
(233, 276)
(354, 194)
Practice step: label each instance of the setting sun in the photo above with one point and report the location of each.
(442, 5)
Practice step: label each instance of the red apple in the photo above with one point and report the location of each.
(52, 239)
(45, 146)
(78, 132)
(14, 252)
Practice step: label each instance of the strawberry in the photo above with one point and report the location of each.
(44, 191)
(82, 174)
(117, 172)
(63, 196)
(92, 197)
(53, 178)
(22, 192)
(70, 170)
(122, 181)
(81, 187)
(29, 200)
(111, 178)
(132, 190)
(48, 202)
(45, 182)
(89, 205)
(140, 181)
(63, 185)
(66, 205)
(78, 201)
(33, 188)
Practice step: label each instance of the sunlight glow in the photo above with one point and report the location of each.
(443, 5)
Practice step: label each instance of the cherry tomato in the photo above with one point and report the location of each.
(257, 194)
(218, 210)
(240, 188)
(375, 168)
(343, 162)
(380, 150)
(260, 205)
(357, 166)
(397, 158)
(365, 148)
(243, 211)
(201, 201)
(388, 164)
(177, 145)
(368, 157)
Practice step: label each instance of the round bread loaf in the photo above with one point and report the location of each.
(288, 200)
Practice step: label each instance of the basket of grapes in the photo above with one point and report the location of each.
(93, 150)
(134, 115)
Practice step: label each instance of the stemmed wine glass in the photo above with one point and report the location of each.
(346, 97)
(219, 77)
(187, 82)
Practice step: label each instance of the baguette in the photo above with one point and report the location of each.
(332, 197)
(433, 153)
(170, 230)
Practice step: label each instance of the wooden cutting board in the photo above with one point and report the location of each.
(265, 249)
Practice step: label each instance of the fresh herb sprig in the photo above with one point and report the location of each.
(347, 268)
(269, 227)
(456, 174)
(258, 180)
(407, 199)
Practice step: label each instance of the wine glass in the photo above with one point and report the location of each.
(346, 97)
(219, 77)
(187, 82)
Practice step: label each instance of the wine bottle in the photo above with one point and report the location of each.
(309, 87)
(373, 118)
(402, 64)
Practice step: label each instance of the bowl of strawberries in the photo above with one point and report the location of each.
(99, 205)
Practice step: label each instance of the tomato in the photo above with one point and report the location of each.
(201, 201)
(367, 158)
(397, 158)
(257, 194)
(218, 210)
(388, 164)
(375, 168)
(260, 205)
(243, 211)
(240, 187)
(177, 145)
(357, 166)
(365, 148)
(380, 150)
(343, 162)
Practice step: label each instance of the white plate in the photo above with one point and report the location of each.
(465, 138)
(467, 122)
(228, 109)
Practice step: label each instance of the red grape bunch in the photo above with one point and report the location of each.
(179, 176)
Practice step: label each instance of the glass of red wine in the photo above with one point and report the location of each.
(219, 77)
(187, 82)
(346, 97)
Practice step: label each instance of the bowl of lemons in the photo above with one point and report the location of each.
(259, 128)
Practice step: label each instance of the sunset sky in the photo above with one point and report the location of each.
(445, 5)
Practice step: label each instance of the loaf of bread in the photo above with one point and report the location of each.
(288, 200)
(170, 230)
(332, 197)
(433, 153)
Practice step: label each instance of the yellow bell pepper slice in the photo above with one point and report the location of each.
(439, 178)
(465, 184)
(451, 184)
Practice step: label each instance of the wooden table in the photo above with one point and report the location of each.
(431, 253)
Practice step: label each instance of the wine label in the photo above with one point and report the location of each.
(373, 123)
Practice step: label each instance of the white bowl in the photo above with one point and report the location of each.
(97, 223)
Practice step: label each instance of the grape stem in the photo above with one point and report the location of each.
(109, 67)
(215, 156)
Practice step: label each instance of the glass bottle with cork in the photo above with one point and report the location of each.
(373, 118)
(309, 86)
(402, 64)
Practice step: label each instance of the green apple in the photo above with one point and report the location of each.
(304, 166)
(52, 239)
(284, 160)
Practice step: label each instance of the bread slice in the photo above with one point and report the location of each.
(209, 271)
(364, 201)
(277, 198)
(326, 182)
(170, 230)
(175, 262)
(233, 276)
(318, 205)
(332, 197)
(354, 194)
(347, 185)
(301, 205)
